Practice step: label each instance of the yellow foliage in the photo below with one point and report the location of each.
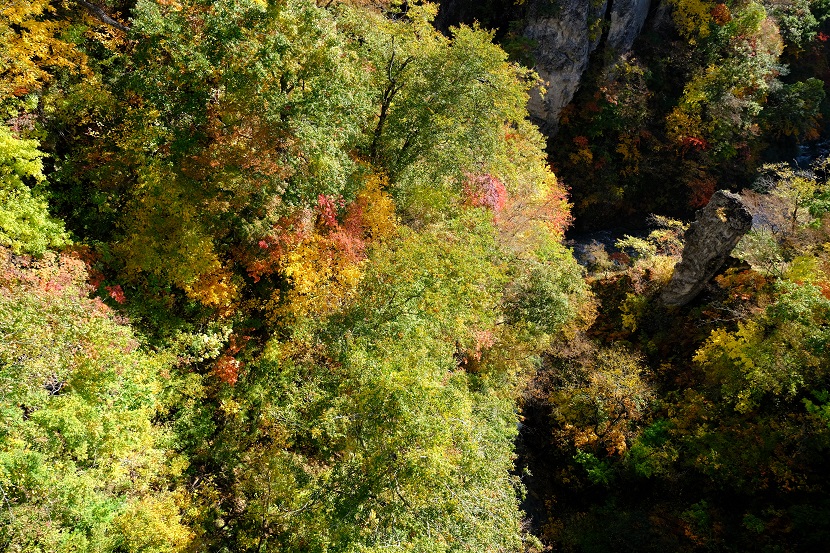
(805, 268)
(684, 122)
(582, 156)
(692, 18)
(599, 404)
(724, 350)
(153, 525)
(214, 289)
(185, 253)
(323, 279)
(735, 347)
(163, 236)
(632, 309)
(378, 208)
(30, 45)
(628, 148)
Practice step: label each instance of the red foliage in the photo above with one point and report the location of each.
(54, 285)
(592, 107)
(96, 278)
(349, 236)
(63, 276)
(327, 210)
(485, 191)
(352, 246)
(702, 189)
(692, 142)
(116, 293)
(567, 113)
(353, 221)
(581, 141)
(346, 237)
(67, 275)
(620, 258)
(822, 37)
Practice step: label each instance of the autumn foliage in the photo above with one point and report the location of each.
(292, 276)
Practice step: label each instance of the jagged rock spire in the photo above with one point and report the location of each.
(710, 239)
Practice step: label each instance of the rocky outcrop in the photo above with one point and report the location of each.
(564, 38)
(563, 42)
(627, 20)
(709, 240)
(564, 33)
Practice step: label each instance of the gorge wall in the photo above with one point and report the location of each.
(563, 34)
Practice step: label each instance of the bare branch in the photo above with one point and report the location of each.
(102, 16)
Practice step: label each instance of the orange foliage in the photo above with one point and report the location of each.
(91, 260)
(548, 210)
(743, 285)
(721, 14)
(248, 144)
(226, 368)
(116, 293)
(693, 143)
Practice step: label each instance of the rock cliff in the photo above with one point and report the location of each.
(565, 34)
(626, 21)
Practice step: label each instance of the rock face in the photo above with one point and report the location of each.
(709, 240)
(563, 44)
(627, 19)
(565, 36)
(564, 32)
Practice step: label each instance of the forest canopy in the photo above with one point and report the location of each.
(286, 275)
(298, 281)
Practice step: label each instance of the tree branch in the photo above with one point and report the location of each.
(99, 14)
